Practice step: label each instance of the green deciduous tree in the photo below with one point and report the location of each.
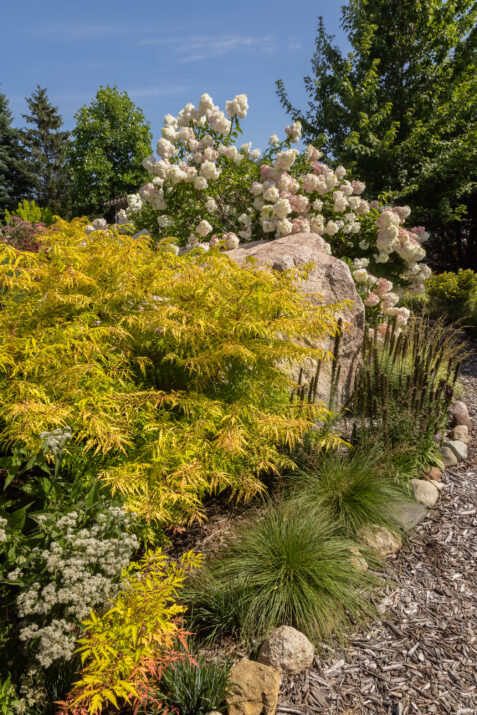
(46, 145)
(14, 179)
(110, 140)
(401, 108)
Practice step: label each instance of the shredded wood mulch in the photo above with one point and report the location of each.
(421, 655)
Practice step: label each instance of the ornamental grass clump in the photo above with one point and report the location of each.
(287, 566)
(403, 391)
(171, 370)
(352, 489)
(196, 687)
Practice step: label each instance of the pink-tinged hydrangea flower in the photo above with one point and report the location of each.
(346, 188)
(340, 172)
(383, 286)
(300, 225)
(402, 211)
(294, 132)
(299, 203)
(312, 154)
(358, 187)
(268, 172)
(231, 240)
(210, 154)
(371, 300)
(363, 207)
(318, 168)
(420, 232)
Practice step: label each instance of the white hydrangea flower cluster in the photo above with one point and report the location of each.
(83, 567)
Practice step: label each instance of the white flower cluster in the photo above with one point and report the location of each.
(83, 567)
(3, 533)
(55, 441)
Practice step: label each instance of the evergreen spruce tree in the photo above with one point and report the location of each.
(14, 177)
(109, 143)
(401, 110)
(47, 146)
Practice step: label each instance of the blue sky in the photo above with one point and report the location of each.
(163, 54)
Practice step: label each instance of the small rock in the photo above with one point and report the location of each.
(448, 456)
(424, 492)
(407, 515)
(287, 650)
(461, 434)
(254, 689)
(438, 485)
(460, 415)
(433, 473)
(214, 712)
(459, 449)
(357, 560)
(380, 539)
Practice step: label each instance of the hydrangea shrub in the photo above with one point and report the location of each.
(204, 190)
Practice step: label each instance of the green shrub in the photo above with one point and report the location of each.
(166, 365)
(196, 689)
(454, 297)
(287, 566)
(352, 489)
(29, 211)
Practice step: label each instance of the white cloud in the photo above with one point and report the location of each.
(204, 47)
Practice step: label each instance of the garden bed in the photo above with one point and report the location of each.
(422, 656)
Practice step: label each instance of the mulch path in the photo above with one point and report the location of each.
(421, 655)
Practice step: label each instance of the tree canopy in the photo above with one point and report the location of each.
(14, 176)
(46, 145)
(109, 142)
(401, 109)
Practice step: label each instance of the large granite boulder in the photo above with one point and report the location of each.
(331, 278)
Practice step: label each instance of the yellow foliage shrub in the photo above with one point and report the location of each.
(165, 366)
(125, 650)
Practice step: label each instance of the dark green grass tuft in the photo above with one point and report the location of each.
(196, 689)
(353, 490)
(287, 566)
